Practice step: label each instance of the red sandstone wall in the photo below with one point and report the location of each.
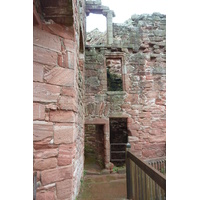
(54, 119)
(143, 101)
(79, 26)
(57, 110)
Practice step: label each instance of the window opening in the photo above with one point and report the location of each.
(96, 21)
(114, 74)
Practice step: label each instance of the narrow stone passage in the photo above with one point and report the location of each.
(102, 184)
(103, 187)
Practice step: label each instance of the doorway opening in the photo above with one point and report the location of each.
(118, 140)
(94, 147)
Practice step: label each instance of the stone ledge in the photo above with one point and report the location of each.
(116, 92)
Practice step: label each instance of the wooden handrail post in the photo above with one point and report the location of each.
(128, 173)
(34, 185)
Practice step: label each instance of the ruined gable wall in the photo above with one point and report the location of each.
(58, 112)
(141, 43)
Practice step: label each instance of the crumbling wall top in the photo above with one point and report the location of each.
(95, 6)
(93, 2)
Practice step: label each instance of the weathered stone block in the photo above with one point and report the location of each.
(68, 60)
(66, 154)
(45, 93)
(149, 153)
(38, 111)
(134, 126)
(138, 147)
(93, 81)
(47, 40)
(45, 195)
(159, 70)
(152, 94)
(62, 116)
(68, 91)
(127, 107)
(64, 189)
(46, 143)
(60, 60)
(160, 153)
(133, 139)
(159, 124)
(45, 153)
(42, 130)
(132, 98)
(55, 175)
(44, 56)
(38, 72)
(133, 133)
(60, 76)
(67, 103)
(69, 45)
(62, 31)
(50, 106)
(160, 146)
(160, 102)
(44, 164)
(155, 131)
(143, 135)
(133, 113)
(63, 134)
(145, 115)
(91, 72)
(160, 33)
(157, 139)
(149, 77)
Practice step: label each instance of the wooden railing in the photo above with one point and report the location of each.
(144, 182)
(158, 163)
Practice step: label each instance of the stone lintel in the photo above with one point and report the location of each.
(119, 46)
(97, 121)
(118, 115)
(99, 9)
(114, 54)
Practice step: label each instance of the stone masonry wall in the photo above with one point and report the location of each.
(143, 99)
(80, 25)
(58, 111)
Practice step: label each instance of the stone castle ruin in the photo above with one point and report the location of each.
(94, 91)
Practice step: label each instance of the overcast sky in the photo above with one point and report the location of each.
(124, 9)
